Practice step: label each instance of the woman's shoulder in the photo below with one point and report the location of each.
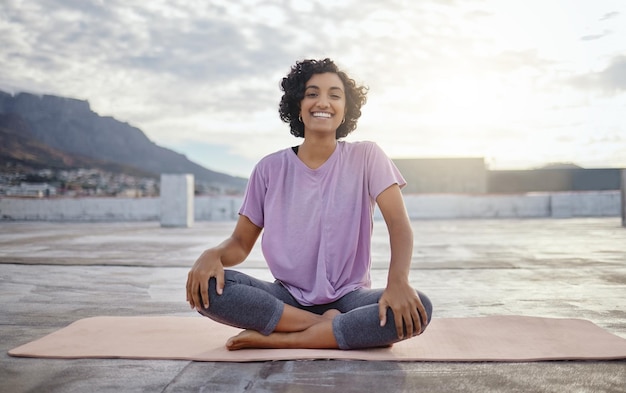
(361, 147)
(276, 158)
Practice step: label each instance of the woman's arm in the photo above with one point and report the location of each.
(399, 295)
(211, 262)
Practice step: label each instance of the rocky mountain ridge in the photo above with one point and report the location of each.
(59, 131)
(19, 148)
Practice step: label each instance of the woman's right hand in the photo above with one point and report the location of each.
(208, 265)
(211, 262)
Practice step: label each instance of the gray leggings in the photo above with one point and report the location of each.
(249, 303)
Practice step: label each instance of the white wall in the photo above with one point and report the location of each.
(217, 208)
(623, 192)
(80, 209)
(419, 206)
(586, 204)
(557, 205)
(473, 206)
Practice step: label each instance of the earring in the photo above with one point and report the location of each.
(300, 118)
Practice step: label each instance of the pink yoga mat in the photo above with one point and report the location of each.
(494, 338)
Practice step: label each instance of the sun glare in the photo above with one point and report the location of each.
(471, 102)
(455, 114)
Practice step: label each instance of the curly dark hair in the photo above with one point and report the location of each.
(293, 86)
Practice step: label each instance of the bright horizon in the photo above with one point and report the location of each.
(522, 84)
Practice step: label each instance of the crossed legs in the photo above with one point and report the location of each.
(318, 332)
(272, 318)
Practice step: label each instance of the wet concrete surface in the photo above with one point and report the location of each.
(52, 274)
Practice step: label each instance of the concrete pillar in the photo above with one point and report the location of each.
(624, 198)
(177, 200)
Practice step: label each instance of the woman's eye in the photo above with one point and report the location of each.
(311, 95)
(336, 97)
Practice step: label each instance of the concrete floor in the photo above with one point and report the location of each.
(52, 274)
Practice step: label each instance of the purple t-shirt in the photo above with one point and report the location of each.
(318, 222)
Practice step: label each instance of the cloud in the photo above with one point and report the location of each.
(511, 60)
(208, 45)
(178, 55)
(611, 80)
(592, 37)
(609, 15)
(478, 14)
(187, 71)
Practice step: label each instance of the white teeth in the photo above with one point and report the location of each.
(321, 114)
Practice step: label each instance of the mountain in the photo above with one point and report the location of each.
(19, 147)
(64, 129)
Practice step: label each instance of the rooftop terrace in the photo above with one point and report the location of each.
(55, 273)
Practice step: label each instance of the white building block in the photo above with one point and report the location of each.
(623, 194)
(177, 200)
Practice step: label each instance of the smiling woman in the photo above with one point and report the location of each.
(314, 204)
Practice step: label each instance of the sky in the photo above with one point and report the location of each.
(520, 83)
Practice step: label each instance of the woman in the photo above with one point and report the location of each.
(314, 204)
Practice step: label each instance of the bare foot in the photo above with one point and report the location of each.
(317, 335)
(249, 339)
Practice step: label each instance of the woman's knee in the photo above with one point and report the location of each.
(234, 276)
(231, 277)
(428, 305)
(220, 303)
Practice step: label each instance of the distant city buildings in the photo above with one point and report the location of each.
(471, 176)
(38, 190)
(443, 175)
(44, 183)
(553, 180)
(75, 183)
(423, 175)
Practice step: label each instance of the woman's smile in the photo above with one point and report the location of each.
(323, 115)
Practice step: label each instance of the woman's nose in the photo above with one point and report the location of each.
(322, 102)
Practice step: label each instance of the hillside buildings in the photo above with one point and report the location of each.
(424, 176)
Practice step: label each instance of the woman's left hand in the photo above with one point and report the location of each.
(407, 308)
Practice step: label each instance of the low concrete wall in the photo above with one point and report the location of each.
(80, 209)
(419, 206)
(477, 206)
(217, 208)
(586, 204)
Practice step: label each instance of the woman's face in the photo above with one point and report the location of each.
(324, 104)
